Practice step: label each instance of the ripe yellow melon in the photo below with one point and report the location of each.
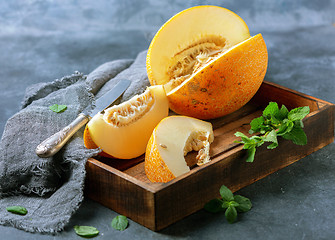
(170, 142)
(122, 131)
(207, 61)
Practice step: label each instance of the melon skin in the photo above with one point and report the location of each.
(224, 85)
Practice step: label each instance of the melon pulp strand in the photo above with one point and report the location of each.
(123, 130)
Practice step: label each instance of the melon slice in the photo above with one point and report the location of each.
(170, 142)
(207, 61)
(122, 131)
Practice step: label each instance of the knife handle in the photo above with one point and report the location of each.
(53, 144)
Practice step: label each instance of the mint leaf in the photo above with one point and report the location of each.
(296, 135)
(285, 127)
(251, 154)
(233, 203)
(271, 110)
(58, 108)
(256, 124)
(226, 194)
(17, 210)
(298, 113)
(214, 206)
(282, 114)
(244, 203)
(271, 137)
(120, 222)
(243, 137)
(231, 214)
(86, 231)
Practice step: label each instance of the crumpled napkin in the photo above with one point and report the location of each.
(52, 188)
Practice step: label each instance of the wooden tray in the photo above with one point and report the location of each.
(124, 187)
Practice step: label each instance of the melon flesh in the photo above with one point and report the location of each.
(178, 135)
(189, 40)
(123, 131)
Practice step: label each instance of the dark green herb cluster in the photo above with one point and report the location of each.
(229, 203)
(273, 123)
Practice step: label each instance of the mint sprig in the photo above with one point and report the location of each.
(229, 203)
(275, 122)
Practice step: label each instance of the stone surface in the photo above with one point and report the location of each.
(44, 40)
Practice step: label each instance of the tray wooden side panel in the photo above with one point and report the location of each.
(117, 191)
(185, 196)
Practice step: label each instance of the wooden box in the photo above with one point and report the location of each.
(123, 186)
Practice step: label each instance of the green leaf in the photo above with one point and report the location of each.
(244, 203)
(225, 204)
(226, 194)
(256, 124)
(231, 214)
(299, 123)
(285, 127)
(233, 203)
(297, 136)
(271, 137)
(251, 154)
(243, 137)
(298, 113)
(120, 222)
(17, 210)
(58, 108)
(214, 205)
(271, 110)
(282, 114)
(86, 231)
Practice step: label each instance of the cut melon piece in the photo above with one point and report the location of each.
(122, 131)
(170, 142)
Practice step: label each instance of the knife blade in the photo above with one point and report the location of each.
(53, 144)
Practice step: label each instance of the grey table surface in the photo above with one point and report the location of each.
(44, 40)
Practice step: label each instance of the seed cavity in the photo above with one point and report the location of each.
(192, 58)
(129, 111)
(198, 141)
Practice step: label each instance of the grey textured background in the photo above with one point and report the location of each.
(41, 40)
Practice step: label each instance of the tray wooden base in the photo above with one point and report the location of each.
(123, 186)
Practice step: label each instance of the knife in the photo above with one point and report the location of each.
(53, 144)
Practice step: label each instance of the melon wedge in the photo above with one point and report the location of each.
(122, 131)
(170, 142)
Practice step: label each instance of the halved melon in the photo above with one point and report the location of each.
(122, 131)
(170, 142)
(207, 61)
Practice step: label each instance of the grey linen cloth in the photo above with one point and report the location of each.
(52, 189)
